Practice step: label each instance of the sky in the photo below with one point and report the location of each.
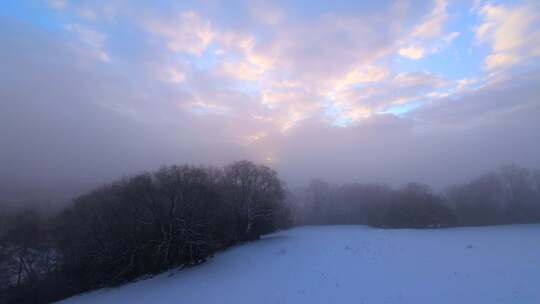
(349, 91)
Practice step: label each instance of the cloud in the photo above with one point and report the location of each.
(418, 80)
(185, 32)
(395, 93)
(366, 74)
(412, 52)
(174, 75)
(430, 36)
(441, 143)
(432, 24)
(431, 47)
(289, 56)
(243, 71)
(90, 123)
(92, 40)
(265, 13)
(484, 105)
(58, 4)
(465, 83)
(511, 31)
(312, 92)
(500, 60)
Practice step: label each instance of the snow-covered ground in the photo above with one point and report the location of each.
(356, 264)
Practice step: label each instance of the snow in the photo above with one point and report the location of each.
(355, 264)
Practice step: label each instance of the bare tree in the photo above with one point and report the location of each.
(255, 193)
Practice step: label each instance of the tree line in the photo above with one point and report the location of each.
(180, 216)
(509, 195)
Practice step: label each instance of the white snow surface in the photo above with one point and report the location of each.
(355, 264)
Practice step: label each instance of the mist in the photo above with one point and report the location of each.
(79, 110)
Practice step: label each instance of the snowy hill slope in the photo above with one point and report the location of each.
(356, 264)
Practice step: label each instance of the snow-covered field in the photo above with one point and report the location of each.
(356, 264)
